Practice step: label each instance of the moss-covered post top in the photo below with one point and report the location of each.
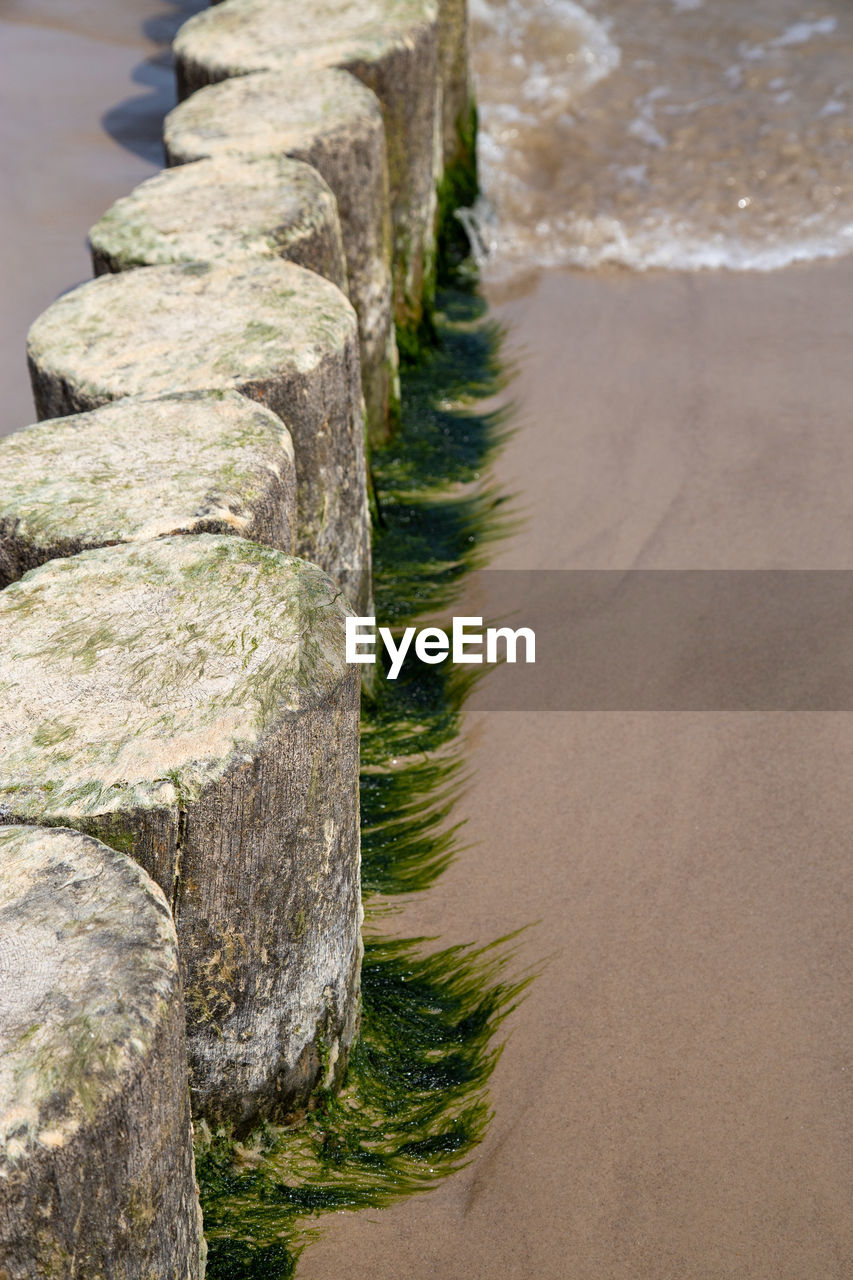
(143, 468)
(269, 114)
(88, 966)
(133, 676)
(96, 1164)
(223, 207)
(241, 36)
(193, 327)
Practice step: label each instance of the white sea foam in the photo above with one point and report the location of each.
(802, 32)
(665, 245)
(796, 33)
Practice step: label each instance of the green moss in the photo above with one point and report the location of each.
(55, 1261)
(86, 645)
(451, 267)
(458, 189)
(415, 1101)
(112, 829)
(77, 1073)
(436, 518)
(260, 331)
(51, 732)
(415, 341)
(300, 924)
(436, 522)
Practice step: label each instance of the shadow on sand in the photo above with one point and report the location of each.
(136, 123)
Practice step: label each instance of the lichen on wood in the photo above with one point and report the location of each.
(279, 334)
(392, 47)
(96, 1164)
(142, 468)
(333, 122)
(223, 207)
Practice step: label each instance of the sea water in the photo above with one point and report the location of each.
(663, 133)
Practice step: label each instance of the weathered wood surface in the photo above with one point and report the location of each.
(96, 1167)
(453, 70)
(219, 208)
(392, 47)
(333, 122)
(275, 332)
(188, 701)
(142, 468)
(455, 80)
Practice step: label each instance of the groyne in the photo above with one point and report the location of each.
(184, 533)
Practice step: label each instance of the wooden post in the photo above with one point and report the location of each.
(392, 47)
(142, 468)
(455, 80)
(221, 208)
(271, 330)
(333, 122)
(96, 1164)
(188, 701)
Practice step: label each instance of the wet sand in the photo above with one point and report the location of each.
(84, 87)
(673, 1102)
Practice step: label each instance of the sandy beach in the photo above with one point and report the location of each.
(674, 1098)
(83, 92)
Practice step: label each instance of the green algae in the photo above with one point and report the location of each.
(284, 614)
(450, 265)
(415, 1098)
(413, 1107)
(458, 189)
(436, 518)
(436, 522)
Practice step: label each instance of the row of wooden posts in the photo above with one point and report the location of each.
(182, 536)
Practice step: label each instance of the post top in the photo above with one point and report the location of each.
(133, 676)
(259, 35)
(225, 205)
(267, 113)
(196, 326)
(142, 468)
